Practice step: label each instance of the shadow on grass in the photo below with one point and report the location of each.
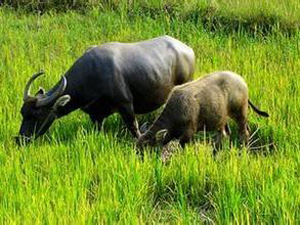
(67, 131)
(261, 141)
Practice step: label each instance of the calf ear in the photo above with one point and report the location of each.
(160, 135)
(61, 101)
(144, 127)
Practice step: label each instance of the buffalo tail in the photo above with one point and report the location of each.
(257, 110)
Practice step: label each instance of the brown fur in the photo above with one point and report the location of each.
(204, 104)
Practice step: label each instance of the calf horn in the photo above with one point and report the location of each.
(58, 92)
(28, 85)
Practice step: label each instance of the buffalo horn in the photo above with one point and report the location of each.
(28, 85)
(57, 93)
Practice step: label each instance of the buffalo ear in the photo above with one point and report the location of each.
(160, 135)
(61, 101)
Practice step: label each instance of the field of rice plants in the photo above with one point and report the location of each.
(75, 174)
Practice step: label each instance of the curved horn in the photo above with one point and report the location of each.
(28, 85)
(57, 93)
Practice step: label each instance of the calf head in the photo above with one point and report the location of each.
(39, 111)
(151, 139)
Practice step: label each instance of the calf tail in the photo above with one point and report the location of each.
(257, 110)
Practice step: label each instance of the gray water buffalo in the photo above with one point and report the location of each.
(203, 104)
(129, 78)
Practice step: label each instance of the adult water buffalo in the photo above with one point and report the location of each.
(129, 78)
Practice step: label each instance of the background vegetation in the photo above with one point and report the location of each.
(75, 174)
(251, 15)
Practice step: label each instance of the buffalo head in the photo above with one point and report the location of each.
(39, 111)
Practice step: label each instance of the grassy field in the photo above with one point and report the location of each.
(75, 174)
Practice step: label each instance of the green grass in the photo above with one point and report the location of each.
(75, 174)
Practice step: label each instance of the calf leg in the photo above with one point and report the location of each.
(243, 132)
(227, 129)
(128, 116)
(187, 136)
(240, 117)
(219, 138)
(228, 132)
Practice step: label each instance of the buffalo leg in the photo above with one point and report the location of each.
(98, 111)
(128, 116)
(98, 121)
(97, 115)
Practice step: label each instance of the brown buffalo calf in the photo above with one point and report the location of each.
(204, 104)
